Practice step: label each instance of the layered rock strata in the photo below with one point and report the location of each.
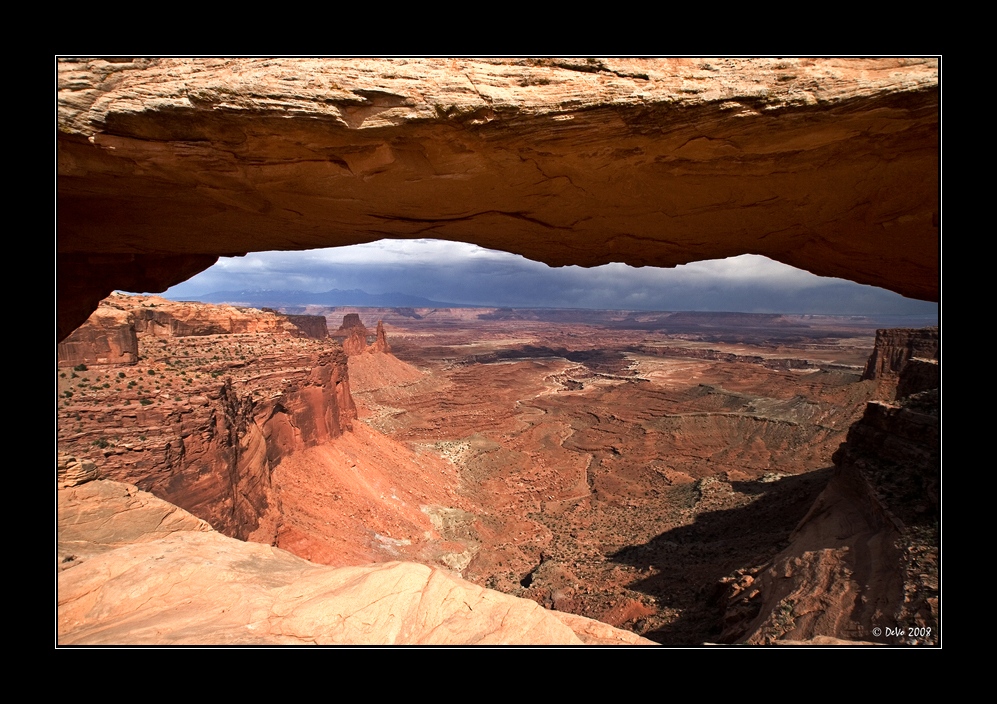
(202, 420)
(896, 346)
(109, 336)
(830, 165)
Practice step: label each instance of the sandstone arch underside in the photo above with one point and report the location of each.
(831, 165)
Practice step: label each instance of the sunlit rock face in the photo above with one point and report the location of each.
(381, 339)
(202, 406)
(108, 337)
(830, 165)
(134, 569)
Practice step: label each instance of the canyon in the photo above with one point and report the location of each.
(638, 470)
(164, 165)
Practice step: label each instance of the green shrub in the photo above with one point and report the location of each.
(80, 368)
(145, 401)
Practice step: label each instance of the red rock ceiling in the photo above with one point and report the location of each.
(830, 165)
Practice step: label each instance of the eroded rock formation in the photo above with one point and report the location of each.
(895, 346)
(356, 342)
(351, 322)
(107, 337)
(204, 418)
(381, 339)
(354, 334)
(830, 165)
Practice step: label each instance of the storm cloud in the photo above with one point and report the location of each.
(466, 274)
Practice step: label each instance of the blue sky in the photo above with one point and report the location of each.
(466, 274)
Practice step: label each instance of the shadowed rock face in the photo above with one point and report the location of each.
(828, 165)
(895, 347)
(867, 553)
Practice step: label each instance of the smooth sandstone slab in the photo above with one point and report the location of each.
(195, 586)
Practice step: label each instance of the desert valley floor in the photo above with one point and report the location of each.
(634, 468)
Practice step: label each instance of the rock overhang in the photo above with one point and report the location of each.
(831, 165)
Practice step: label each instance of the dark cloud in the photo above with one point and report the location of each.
(469, 275)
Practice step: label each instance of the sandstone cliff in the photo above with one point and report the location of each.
(894, 347)
(204, 418)
(107, 337)
(864, 562)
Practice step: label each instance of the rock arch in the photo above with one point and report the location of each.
(831, 165)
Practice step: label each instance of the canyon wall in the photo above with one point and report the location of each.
(107, 337)
(831, 165)
(210, 433)
(896, 346)
(864, 563)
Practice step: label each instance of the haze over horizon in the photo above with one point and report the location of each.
(469, 275)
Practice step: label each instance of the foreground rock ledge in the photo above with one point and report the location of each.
(830, 165)
(137, 570)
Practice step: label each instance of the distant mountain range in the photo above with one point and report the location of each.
(333, 297)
